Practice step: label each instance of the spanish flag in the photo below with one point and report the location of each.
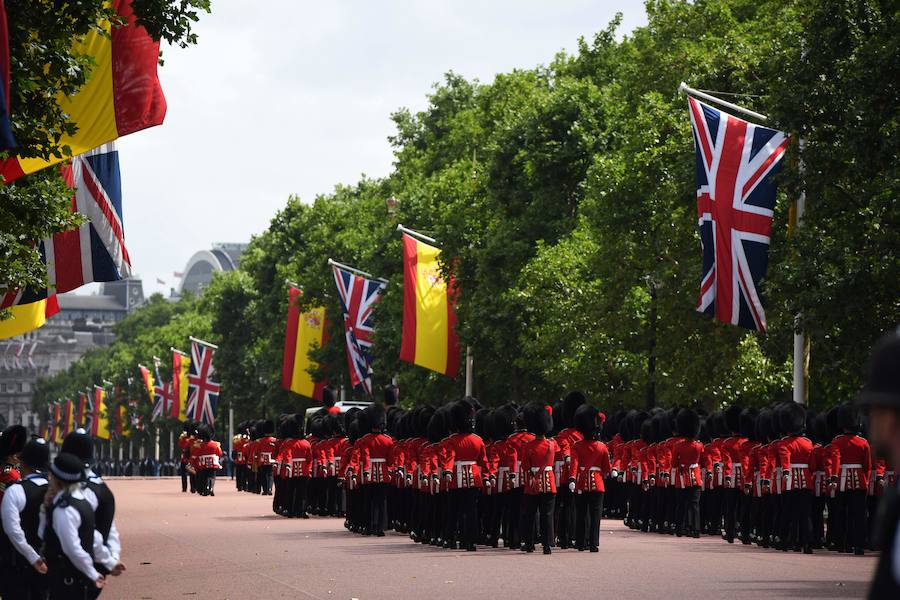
(57, 424)
(122, 429)
(305, 332)
(147, 378)
(429, 321)
(121, 96)
(68, 418)
(181, 366)
(82, 407)
(28, 317)
(100, 423)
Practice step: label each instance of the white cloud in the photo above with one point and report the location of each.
(284, 97)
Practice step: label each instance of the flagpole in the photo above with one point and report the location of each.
(203, 343)
(177, 351)
(469, 369)
(685, 89)
(334, 263)
(801, 342)
(156, 444)
(416, 234)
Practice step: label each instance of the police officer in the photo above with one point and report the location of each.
(22, 570)
(99, 497)
(71, 543)
(882, 395)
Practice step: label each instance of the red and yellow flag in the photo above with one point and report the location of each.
(305, 331)
(28, 317)
(121, 96)
(57, 424)
(82, 406)
(181, 366)
(100, 423)
(147, 378)
(429, 320)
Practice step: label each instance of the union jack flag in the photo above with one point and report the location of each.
(736, 162)
(162, 395)
(203, 392)
(358, 297)
(95, 251)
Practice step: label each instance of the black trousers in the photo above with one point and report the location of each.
(797, 508)
(730, 511)
(512, 516)
(264, 474)
(588, 510)
(185, 477)
(297, 505)
(540, 505)
(687, 512)
(565, 510)
(465, 514)
(22, 583)
(852, 510)
(63, 587)
(377, 501)
(209, 480)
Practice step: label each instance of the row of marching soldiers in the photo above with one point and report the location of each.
(58, 539)
(768, 477)
(460, 475)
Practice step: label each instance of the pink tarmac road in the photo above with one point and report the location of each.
(232, 547)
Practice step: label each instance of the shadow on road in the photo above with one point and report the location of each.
(803, 589)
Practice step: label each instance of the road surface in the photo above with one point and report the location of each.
(231, 546)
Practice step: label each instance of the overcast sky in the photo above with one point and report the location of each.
(293, 97)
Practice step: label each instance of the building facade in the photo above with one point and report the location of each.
(82, 323)
(204, 264)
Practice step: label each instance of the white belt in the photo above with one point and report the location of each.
(852, 466)
(463, 463)
(799, 465)
(693, 466)
(536, 469)
(298, 459)
(377, 460)
(460, 470)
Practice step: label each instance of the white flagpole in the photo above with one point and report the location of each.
(203, 343)
(469, 371)
(685, 89)
(416, 234)
(334, 263)
(800, 341)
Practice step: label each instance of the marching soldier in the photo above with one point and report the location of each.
(537, 464)
(588, 468)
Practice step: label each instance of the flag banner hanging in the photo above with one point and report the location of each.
(736, 162)
(203, 392)
(100, 419)
(7, 141)
(305, 332)
(57, 424)
(429, 319)
(82, 408)
(28, 317)
(181, 366)
(121, 96)
(162, 396)
(68, 418)
(95, 251)
(122, 429)
(358, 298)
(147, 380)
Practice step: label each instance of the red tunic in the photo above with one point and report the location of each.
(797, 462)
(209, 454)
(375, 451)
(537, 463)
(851, 462)
(266, 448)
(713, 452)
(465, 458)
(566, 439)
(519, 440)
(686, 455)
(504, 459)
(589, 465)
(8, 476)
(664, 463)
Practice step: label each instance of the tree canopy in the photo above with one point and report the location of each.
(563, 197)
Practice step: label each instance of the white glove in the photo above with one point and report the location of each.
(614, 474)
(572, 486)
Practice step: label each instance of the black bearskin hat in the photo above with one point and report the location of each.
(483, 423)
(748, 423)
(688, 423)
(353, 432)
(848, 418)
(765, 427)
(205, 432)
(504, 421)
(329, 398)
(571, 402)
(819, 430)
(792, 418)
(647, 433)
(376, 417)
(538, 418)
(391, 395)
(282, 426)
(437, 425)
(559, 423)
(79, 444)
(268, 427)
(585, 420)
(733, 418)
(462, 416)
(423, 416)
(703, 436)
